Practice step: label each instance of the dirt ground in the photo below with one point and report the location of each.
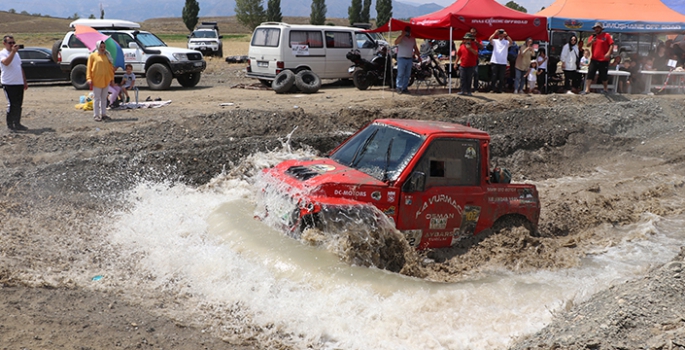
(50, 173)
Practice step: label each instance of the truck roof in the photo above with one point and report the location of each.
(105, 23)
(427, 127)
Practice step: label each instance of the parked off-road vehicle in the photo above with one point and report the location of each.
(206, 39)
(149, 55)
(430, 179)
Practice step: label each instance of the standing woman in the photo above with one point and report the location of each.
(100, 75)
(523, 59)
(13, 82)
(569, 58)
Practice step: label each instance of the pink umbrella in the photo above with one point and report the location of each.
(90, 37)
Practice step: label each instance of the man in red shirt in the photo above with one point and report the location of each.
(467, 60)
(601, 44)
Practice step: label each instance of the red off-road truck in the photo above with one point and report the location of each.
(431, 179)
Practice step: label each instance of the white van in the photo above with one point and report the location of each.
(276, 47)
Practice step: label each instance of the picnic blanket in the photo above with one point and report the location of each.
(143, 104)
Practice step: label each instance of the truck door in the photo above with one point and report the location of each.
(132, 56)
(447, 205)
(306, 50)
(338, 44)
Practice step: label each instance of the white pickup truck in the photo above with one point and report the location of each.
(150, 57)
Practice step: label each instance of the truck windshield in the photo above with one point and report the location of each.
(149, 40)
(380, 150)
(204, 34)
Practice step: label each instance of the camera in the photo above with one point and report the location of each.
(21, 46)
(501, 31)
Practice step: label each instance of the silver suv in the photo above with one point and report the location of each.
(149, 55)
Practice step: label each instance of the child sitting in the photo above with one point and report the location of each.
(128, 82)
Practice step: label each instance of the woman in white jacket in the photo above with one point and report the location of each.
(569, 64)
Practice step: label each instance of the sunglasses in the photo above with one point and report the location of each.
(11, 42)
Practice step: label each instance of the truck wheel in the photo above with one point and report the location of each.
(308, 82)
(283, 82)
(55, 50)
(189, 79)
(361, 79)
(78, 77)
(221, 50)
(158, 77)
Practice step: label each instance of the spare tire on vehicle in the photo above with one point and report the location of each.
(307, 81)
(55, 50)
(283, 82)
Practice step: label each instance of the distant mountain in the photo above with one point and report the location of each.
(139, 10)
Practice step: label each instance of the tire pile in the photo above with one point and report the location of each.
(304, 81)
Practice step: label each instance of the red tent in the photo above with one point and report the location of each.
(486, 16)
(420, 31)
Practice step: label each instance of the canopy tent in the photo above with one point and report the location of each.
(420, 31)
(486, 16)
(675, 5)
(627, 16)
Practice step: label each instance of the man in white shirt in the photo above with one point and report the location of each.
(13, 82)
(500, 41)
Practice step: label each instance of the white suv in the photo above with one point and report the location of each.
(206, 39)
(150, 56)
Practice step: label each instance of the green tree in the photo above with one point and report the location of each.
(92, 16)
(366, 12)
(515, 6)
(75, 16)
(190, 12)
(354, 12)
(384, 10)
(12, 11)
(318, 15)
(23, 13)
(250, 13)
(273, 11)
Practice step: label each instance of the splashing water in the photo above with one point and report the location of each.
(203, 251)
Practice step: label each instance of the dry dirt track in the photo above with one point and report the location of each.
(48, 176)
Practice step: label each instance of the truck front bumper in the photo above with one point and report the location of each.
(179, 68)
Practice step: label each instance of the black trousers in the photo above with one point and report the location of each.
(498, 72)
(15, 98)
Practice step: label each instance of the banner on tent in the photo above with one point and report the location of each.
(585, 25)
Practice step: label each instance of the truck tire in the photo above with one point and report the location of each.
(283, 82)
(308, 82)
(158, 77)
(78, 77)
(361, 79)
(221, 50)
(189, 79)
(55, 50)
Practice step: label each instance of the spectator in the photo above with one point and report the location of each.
(523, 65)
(128, 81)
(585, 60)
(542, 70)
(13, 82)
(661, 58)
(570, 56)
(406, 51)
(467, 59)
(479, 44)
(531, 76)
(100, 76)
(624, 82)
(498, 62)
(601, 44)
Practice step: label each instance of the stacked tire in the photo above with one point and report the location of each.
(304, 81)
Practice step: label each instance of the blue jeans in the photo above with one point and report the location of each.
(466, 75)
(520, 81)
(403, 72)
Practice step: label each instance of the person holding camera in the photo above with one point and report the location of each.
(500, 41)
(13, 82)
(601, 44)
(406, 50)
